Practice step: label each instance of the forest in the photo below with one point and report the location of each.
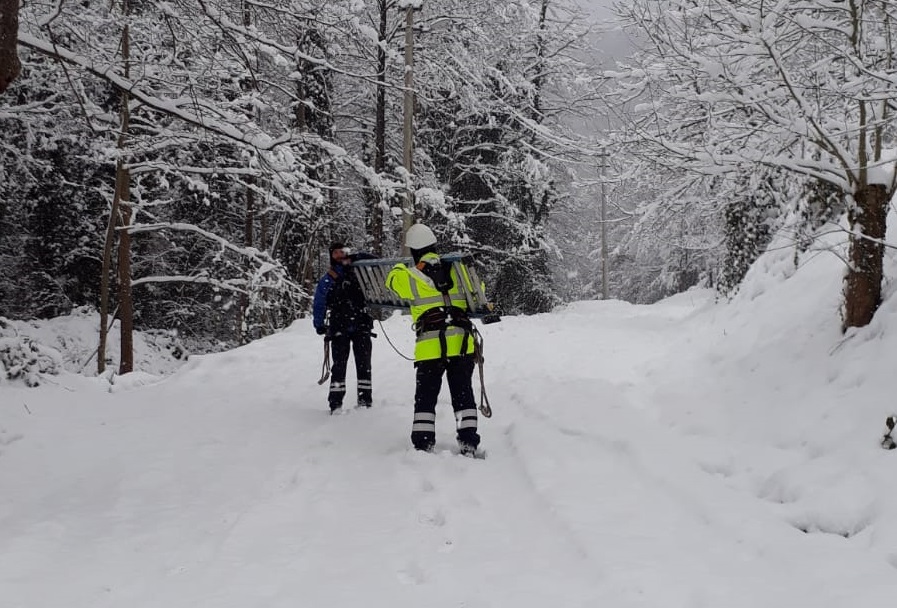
(182, 165)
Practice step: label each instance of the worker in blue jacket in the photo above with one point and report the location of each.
(340, 314)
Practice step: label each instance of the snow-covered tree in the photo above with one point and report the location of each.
(801, 87)
(208, 107)
(492, 88)
(219, 144)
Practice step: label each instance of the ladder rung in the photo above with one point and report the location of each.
(372, 279)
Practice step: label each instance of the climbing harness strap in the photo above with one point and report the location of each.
(441, 322)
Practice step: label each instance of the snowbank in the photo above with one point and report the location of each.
(33, 350)
(782, 406)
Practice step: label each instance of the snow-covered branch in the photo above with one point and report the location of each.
(180, 108)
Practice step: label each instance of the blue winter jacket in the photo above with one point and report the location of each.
(338, 292)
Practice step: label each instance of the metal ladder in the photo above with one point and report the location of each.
(371, 275)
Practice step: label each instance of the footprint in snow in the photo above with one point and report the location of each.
(412, 574)
(434, 518)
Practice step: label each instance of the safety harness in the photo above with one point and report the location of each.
(450, 320)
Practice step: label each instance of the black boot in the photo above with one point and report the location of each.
(423, 441)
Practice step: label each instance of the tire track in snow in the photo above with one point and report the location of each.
(541, 500)
(476, 514)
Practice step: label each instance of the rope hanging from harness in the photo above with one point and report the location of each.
(325, 368)
(485, 408)
(398, 352)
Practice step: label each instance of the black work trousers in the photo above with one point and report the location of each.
(360, 345)
(459, 372)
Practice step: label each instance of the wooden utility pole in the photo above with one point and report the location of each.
(380, 129)
(408, 144)
(603, 229)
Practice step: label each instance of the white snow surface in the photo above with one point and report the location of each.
(690, 454)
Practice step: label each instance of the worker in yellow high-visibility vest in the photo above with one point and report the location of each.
(445, 342)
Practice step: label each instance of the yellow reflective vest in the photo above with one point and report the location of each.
(418, 289)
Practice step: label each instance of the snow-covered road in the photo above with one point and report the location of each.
(228, 485)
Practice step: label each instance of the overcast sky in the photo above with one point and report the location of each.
(599, 7)
(612, 43)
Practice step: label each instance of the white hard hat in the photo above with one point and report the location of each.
(419, 236)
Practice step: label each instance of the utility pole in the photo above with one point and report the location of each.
(603, 229)
(380, 128)
(408, 130)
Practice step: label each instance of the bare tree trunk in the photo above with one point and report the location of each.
(862, 287)
(9, 31)
(116, 218)
(268, 321)
(249, 220)
(264, 230)
(248, 225)
(107, 265)
(125, 301)
(307, 266)
(538, 80)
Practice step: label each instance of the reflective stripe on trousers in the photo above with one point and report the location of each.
(459, 373)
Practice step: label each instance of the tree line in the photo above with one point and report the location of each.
(183, 164)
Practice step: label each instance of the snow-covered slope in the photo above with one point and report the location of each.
(70, 343)
(684, 454)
